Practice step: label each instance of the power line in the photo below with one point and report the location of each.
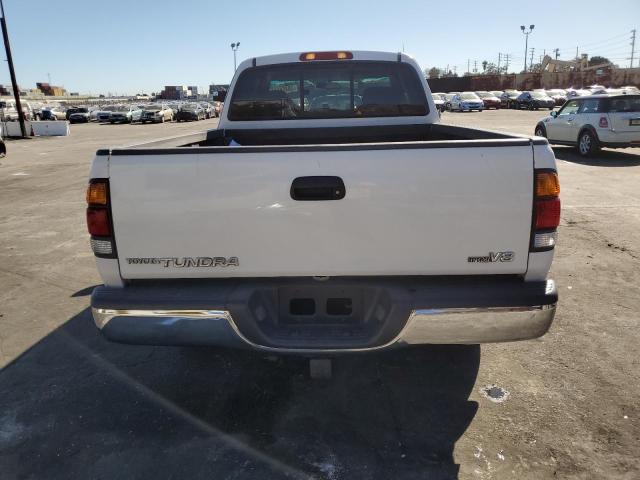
(596, 42)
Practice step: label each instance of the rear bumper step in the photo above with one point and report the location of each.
(388, 313)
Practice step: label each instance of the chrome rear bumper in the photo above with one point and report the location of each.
(423, 326)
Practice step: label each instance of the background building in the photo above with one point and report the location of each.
(51, 90)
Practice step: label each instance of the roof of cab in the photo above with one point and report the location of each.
(294, 57)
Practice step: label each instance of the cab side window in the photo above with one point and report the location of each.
(571, 108)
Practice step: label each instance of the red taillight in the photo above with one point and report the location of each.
(547, 214)
(603, 123)
(99, 218)
(311, 56)
(98, 222)
(546, 210)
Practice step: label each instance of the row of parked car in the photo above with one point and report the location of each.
(516, 99)
(154, 112)
(122, 113)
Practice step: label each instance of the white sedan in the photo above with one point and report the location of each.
(466, 102)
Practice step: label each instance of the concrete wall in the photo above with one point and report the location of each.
(609, 77)
(44, 129)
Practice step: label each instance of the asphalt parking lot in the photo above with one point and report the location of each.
(73, 405)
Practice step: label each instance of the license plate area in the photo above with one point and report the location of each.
(634, 122)
(312, 306)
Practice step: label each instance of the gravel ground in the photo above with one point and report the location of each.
(76, 406)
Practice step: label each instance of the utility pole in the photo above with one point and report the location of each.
(633, 46)
(531, 61)
(526, 42)
(557, 52)
(49, 77)
(499, 58)
(507, 57)
(12, 73)
(468, 65)
(234, 47)
(475, 66)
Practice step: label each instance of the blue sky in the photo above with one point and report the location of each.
(120, 46)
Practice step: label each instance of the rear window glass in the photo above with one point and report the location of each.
(626, 104)
(328, 90)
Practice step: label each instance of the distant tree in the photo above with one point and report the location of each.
(484, 66)
(433, 72)
(597, 60)
(490, 68)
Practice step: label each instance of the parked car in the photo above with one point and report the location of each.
(466, 102)
(217, 107)
(3, 147)
(122, 114)
(69, 111)
(175, 108)
(157, 113)
(572, 93)
(209, 111)
(79, 115)
(10, 112)
(190, 111)
(592, 122)
(136, 113)
(59, 112)
(256, 247)
(534, 101)
(559, 96)
(47, 114)
(447, 100)
(508, 98)
(104, 114)
(438, 100)
(497, 93)
(489, 99)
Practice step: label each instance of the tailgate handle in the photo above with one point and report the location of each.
(317, 188)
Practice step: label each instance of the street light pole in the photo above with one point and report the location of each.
(12, 73)
(526, 43)
(234, 47)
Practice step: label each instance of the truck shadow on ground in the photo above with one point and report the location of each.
(77, 406)
(604, 158)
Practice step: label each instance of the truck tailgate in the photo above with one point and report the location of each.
(408, 209)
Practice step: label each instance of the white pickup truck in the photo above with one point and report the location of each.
(329, 212)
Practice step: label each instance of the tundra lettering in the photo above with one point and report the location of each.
(186, 262)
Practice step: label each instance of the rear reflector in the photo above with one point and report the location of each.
(547, 214)
(547, 184)
(310, 56)
(98, 222)
(101, 247)
(97, 193)
(545, 240)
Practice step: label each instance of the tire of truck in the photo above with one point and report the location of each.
(588, 143)
(540, 131)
